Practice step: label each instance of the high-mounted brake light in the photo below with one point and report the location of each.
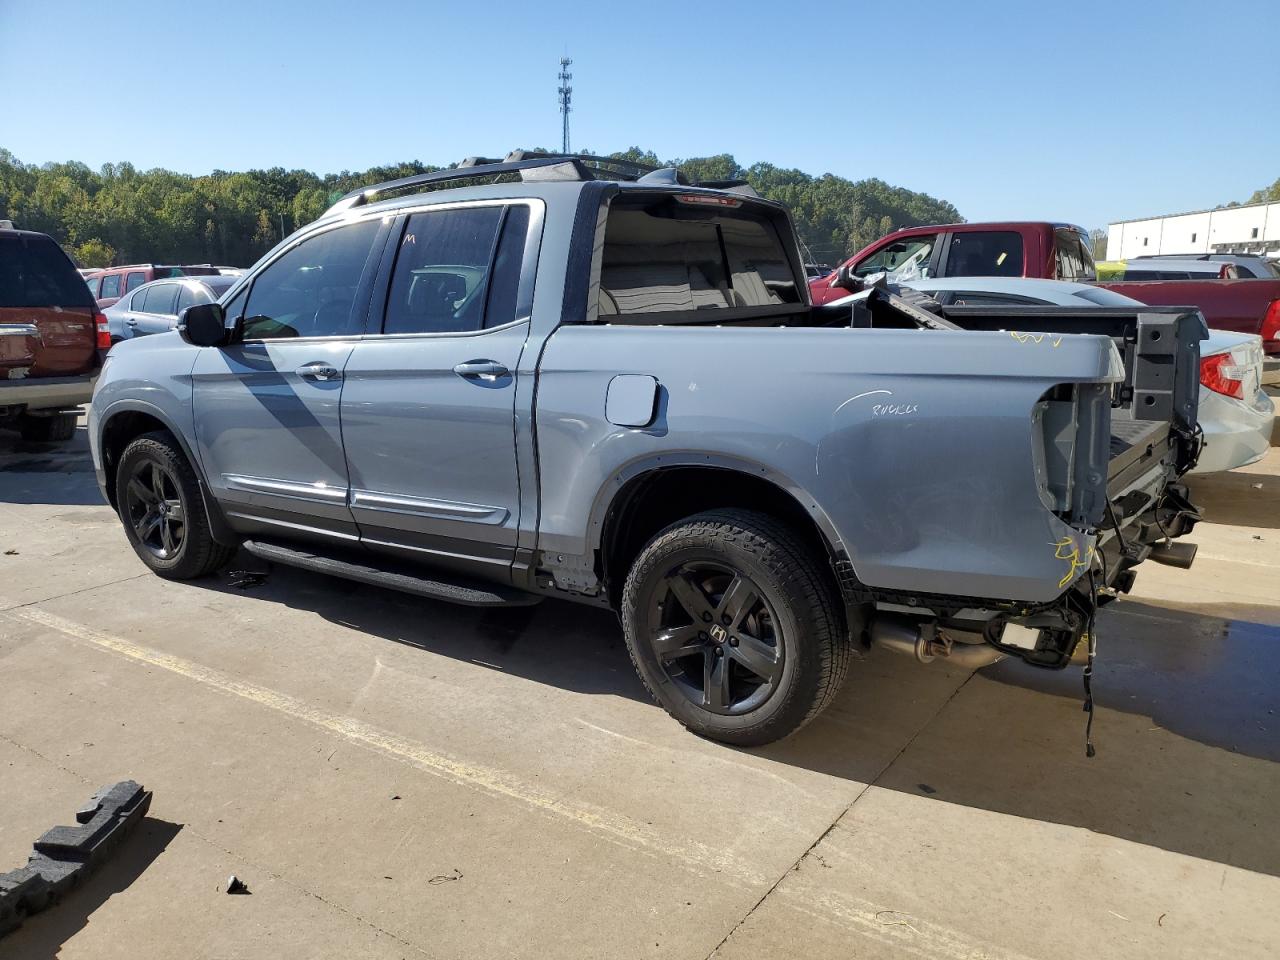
(104, 331)
(708, 200)
(1221, 374)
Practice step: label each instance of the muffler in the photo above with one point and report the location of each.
(922, 640)
(1174, 554)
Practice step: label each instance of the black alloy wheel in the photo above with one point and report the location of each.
(716, 637)
(153, 504)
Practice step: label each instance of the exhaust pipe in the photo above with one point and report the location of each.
(922, 641)
(1180, 555)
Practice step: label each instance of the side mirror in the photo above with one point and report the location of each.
(204, 325)
(845, 279)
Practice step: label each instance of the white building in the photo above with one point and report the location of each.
(1252, 228)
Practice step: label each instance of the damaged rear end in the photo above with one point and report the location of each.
(1108, 460)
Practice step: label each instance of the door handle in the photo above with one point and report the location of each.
(319, 370)
(489, 370)
(131, 322)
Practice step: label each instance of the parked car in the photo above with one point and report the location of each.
(1248, 266)
(154, 306)
(615, 391)
(50, 330)
(1051, 251)
(1236, 414)
(1170, 268)
(111, 284)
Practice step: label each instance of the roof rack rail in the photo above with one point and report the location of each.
(632, 167)
(542, 168)
(536, 165)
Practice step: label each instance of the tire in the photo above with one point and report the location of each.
(174, 543)
(60, 426)
(773, 664)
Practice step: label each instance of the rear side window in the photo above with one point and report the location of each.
(160, 299)
(92, 284)
(191, 294)
(135, 280)
(666, 259)
(457, 270)
(310, 291)
(995, 253)
(34, 272)
(110, 286)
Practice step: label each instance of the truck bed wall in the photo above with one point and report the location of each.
(913, 450)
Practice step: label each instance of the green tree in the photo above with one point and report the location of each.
(1266, 194)
(93, 253)
(233, 218)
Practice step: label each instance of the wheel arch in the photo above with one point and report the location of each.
(125, 421)
(649, 494)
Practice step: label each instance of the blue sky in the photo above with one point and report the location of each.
(1087, 112)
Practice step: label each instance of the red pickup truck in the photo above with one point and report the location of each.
(1056, 251)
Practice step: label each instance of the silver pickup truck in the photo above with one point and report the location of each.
(555, 376)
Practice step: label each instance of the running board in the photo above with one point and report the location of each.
(462, 590)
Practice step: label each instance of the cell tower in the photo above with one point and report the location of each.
(566, 95)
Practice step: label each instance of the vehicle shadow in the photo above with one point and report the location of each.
(47, 473)
(1186, 729)
(43, 935)
(568, 645)
(1238, 498)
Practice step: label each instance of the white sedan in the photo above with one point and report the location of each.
(1235, 413)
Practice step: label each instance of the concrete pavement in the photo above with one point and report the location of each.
(398, 778)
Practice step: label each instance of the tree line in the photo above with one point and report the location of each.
(119, 214)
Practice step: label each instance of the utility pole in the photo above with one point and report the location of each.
(566, 95)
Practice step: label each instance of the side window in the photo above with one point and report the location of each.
(134, 281)
(92, 284)
(311, 290)
(161, 298)
(441, 276)
(963, 299)
(110, 286)
(1074, 262)
(995, 253)
(138, 302)
(504, 285)
(189, 295)
(906, 259)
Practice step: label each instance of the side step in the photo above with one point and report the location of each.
(474, 593)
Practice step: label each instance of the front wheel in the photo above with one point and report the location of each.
(734, 628)
(159, 502)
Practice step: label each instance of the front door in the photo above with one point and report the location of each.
(267, 407)
(428, 405)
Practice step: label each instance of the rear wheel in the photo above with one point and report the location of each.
(159, 502)
(734, 627)
(44, 429)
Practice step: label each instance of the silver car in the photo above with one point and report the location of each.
(154, 307)
(1236, 414)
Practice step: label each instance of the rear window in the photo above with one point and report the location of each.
(994, 253)
(34, 272)
(673, 261)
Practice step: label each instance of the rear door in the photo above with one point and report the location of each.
(46, 311)
(157, 311)
(428, 409)
(267, 407)
(983, 253)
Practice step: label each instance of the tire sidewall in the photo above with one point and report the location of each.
(797, 685)
(147, 451)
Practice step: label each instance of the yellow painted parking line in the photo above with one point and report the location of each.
(615, 827)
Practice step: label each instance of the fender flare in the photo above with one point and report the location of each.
(219, 528)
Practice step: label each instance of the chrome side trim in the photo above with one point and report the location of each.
(19, 330)
(318, 493)
(424, 507)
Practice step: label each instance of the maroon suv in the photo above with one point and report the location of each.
(112, 283)
(50, 335)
